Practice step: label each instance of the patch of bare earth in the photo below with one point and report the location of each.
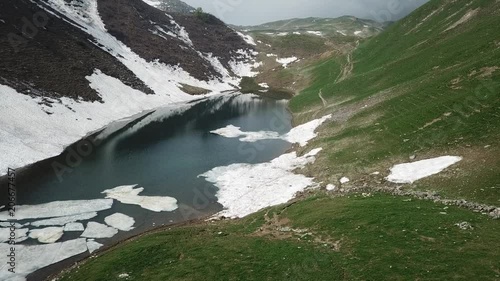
(277, 227)
(468, 16)
(484, 72)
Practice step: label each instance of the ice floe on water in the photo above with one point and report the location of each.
(65, 220)
(93, 246)
(74, 226)
(59, 209)
(47, 235)
(99, 230)
(234, 132)
(32, 258)
(128, 194)
(20, 234)
(120, 221)
(411, 172)
(247, 188)
(301, 134)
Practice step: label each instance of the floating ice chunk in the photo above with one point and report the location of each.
(65, 220)
(59, 209)
(93, 246)
(98, 230)
(344, 180)
(234, 132)
(31, 258)
(9, 224)
(47, 235)
(286, 61)
(128, 195)
(120, 221)
(246, 188)
(330, 187)
(20, 234)
(301, 134)
(411, 172)
(74, 226)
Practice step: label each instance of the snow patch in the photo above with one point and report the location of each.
(286, 61)
(247, 38)
(411, 172)
(59, 209)
(93, 246)
(344, 180)
(330, 187)
(74, 226)
(128, 194)
(357, 32)
(120, 221)
(247, 188)
(317, 33)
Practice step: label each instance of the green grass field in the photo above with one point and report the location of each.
(321, 238)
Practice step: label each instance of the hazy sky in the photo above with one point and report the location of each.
(253, 12)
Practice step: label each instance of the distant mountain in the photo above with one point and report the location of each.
(342, 26)
(171, 6)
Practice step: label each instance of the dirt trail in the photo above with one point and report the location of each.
(348, 67)
(321, 97)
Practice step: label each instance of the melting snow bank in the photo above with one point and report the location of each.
(246, 188)
(32, 258)
(286, 61)
(301, 134)
(411, 172)
(128, 195)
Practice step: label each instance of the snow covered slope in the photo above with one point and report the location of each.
(92, 62)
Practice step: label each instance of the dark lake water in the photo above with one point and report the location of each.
(162, 151)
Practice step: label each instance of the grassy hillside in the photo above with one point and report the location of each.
(427, 86)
